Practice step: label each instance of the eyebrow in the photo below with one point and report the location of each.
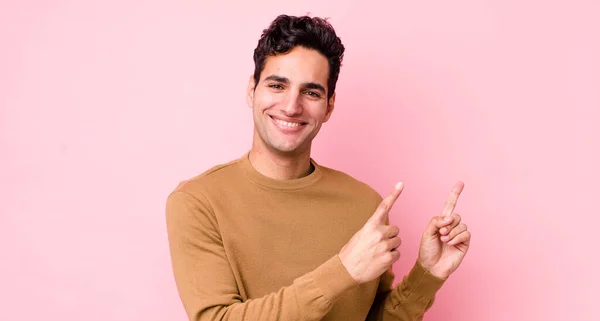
(312, 85)
(278, 79)
(308, 85)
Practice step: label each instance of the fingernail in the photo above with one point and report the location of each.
(399, 185)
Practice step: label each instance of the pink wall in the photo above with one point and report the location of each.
(106, 105)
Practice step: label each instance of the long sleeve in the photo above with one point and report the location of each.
(409, 300)
(206, 282)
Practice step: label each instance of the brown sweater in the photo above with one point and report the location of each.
(248, 247)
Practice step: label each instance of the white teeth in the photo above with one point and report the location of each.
(286, 123)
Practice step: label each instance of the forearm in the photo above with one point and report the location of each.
(407, 301)
(310, 297)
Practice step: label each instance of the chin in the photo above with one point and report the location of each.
(287, 149)
(284, 145)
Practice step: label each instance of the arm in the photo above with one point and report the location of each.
(206, 283)
(409, 300)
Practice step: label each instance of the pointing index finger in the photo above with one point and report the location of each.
(452, 199)
(386, 204)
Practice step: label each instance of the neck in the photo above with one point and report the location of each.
(280, 166)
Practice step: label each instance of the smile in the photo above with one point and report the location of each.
(286, 124)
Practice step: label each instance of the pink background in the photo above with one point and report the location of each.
(107, 105)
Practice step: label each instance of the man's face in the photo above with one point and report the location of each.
(290, 100)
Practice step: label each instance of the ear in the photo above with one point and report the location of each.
(250, 91)
(330, 107)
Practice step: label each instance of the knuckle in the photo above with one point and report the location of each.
(385, 206)
(388, 257)
(452, 234)
(394, 256)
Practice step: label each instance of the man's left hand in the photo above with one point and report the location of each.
(446, 240)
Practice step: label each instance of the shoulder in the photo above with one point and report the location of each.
(210, 179)
(350, 184)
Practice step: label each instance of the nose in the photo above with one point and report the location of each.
(292, 106)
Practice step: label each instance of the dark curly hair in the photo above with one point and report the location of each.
(287, 32)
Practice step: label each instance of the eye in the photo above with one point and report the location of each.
(276, 86)
(314, 94)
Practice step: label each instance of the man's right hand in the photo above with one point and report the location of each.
(373, 249)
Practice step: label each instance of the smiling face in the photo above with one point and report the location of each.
(290, 101)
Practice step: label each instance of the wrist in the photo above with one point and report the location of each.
(433, 270)
(346, 265)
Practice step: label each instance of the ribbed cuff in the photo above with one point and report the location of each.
(422, 283)
(333, 279)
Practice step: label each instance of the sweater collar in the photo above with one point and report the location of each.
(289, 184)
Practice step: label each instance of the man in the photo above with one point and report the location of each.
(276, 236)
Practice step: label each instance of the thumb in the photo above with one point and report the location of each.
(380, 217)
(436, 223)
